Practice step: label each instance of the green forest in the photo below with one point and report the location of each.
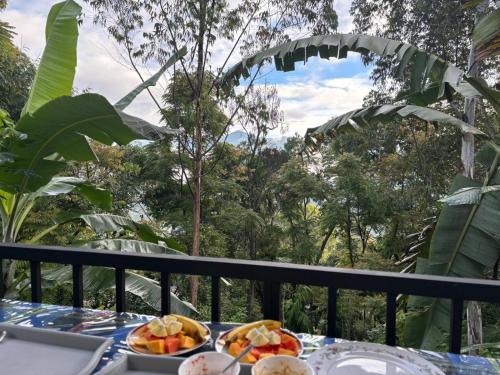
(406, 183)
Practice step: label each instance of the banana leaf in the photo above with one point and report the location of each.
(96, 279)
(486, 35)
(56, 71)
(132, 246)
(56, 133)
(63, 185)
(464, 244)
(129, 98)
(423, 67)
(359, 118)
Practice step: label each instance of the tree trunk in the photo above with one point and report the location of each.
(474, 318)
(252, 244)
(323, 244)
(349, 238)
(198, 147)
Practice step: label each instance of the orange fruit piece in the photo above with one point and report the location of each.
(282, 351)
(156, 346)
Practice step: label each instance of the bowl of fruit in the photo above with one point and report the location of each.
(169, 335)
(267, 337)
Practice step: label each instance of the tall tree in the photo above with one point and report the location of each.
(208, 27)
(16, 72)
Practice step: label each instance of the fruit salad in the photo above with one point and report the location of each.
(168, 335)
(267, 337)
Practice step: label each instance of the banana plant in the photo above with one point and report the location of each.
(53, 129)
(465, 240)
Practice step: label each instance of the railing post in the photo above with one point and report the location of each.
(332, 312)
(120, 289)
(165, 293)
(36, 282)
(77, 285)
(215, 299)
(390, 324)
(457, 310)
(2, 288)
(272, 300)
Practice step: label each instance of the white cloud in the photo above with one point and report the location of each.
(342, 8)
(310, 104)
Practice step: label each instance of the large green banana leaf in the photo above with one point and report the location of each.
(63, 185)
(129, 98)
(464, 244)
(424, 67)
(486, 35)
(490, 94)
(132, 246)
(109, 223)
(360, 118)
(56, 71)
(55, 133)
(96, 279)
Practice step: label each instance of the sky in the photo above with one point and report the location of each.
(310, 95)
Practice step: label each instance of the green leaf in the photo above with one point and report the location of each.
(423, 66)
(144, 129)
(464, 244)
(64, 185)
(56, 70)
(471, 3)
(359, 118)
(469, 195)
(132, 246)
(491, 95)
(67, 121)
(127, 99)
(486, 35)
(96, 279)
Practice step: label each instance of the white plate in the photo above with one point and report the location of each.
(359, 358)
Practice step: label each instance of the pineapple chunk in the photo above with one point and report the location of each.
(168, 318)
(159, 331)
(252, 334)
(156, 322)
(263, 330)
(260, 340)
(274, 338)
(173, 327)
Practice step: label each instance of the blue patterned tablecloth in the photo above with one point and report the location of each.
(117, 325)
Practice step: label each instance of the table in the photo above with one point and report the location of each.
(117, 325)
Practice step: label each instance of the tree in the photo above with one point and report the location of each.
(16, 73)
(203, 25)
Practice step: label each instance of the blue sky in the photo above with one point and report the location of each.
(310, 95)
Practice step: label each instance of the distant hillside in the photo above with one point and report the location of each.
(239, 136)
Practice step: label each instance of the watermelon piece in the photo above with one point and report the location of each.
(291, 345)
(255, 352)
(172, 344)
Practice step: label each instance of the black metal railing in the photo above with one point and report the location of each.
(272, 274)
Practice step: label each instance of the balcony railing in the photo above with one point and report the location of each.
(272, 274)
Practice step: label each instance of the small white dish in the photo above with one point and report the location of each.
(208, 363)
(360, 358)
(282, 365)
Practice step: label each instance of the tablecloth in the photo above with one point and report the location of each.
(117, 325)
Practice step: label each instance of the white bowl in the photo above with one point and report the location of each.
(282, 365)
(208, 363)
